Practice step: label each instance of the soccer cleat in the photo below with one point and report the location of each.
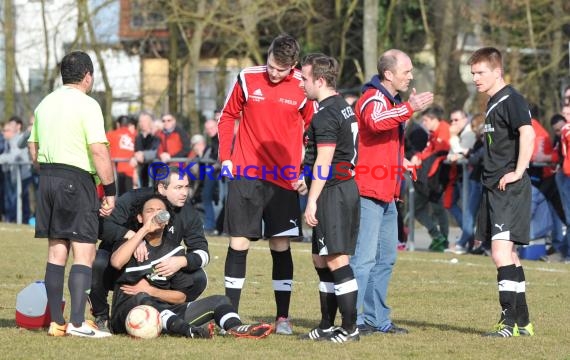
(502, 330)
(438, 244)
(339, 335)
(283, 326)
(251, 331)
(205, 331)
(56, 330)
(102, 323)
(527, 330)
(317, 334)
(87, 329)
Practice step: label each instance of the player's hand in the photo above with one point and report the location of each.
(141, 286)
(310, 214)
(300, 186)
(420, 101)
(107, 206)
(170, 266)
(508, 178)
(411, 168)
(141, 252)
(227, 168)
(139, 157)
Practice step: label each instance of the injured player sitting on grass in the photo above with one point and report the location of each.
(139, 285)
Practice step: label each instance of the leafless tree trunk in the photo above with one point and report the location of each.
(10, 59)
(370, 38)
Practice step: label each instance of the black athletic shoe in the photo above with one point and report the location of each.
(317, 334)
(205, 331)
(340, 335)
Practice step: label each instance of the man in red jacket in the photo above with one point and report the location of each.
(264, 162)
(174, 141)
(381, 115)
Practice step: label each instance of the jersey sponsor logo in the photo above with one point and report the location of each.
(288, 101)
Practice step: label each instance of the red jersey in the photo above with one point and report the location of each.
(565, 143)
(381, 121)
(438, 145)
(543, 146)
(269, 138)
(122, 146)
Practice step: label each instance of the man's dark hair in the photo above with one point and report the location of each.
(16, 119)
(165, 180)
(324, 67)
(556, 118)
(434, 112)
(137, 209)
(75, 66)
(490, 55)
(285, 50)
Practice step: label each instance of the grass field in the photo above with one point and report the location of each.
(445, 306)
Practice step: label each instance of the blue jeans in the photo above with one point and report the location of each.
(473, 202)
(208, 189)
(374, 259)
(563, 184)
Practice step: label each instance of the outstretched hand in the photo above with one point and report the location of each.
(420, 101)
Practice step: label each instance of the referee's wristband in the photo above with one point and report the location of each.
(110, 189)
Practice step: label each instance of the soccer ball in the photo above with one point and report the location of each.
(143, 322)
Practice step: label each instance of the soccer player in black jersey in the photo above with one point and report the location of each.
(140, 283)
(333, 205)
(504, 216)
(185, 226)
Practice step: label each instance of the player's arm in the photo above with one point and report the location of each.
(33, 148)
(379, 119)
(321, 170)
(526, 148)
(197, 253)
(123, 252)
(169, 296)
(230, 113)
(113, 227)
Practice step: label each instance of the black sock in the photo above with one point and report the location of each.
(507, 277)
(174, 324)
(79, 284)
(346, 289)
(327, 298)
(282, 280)
(226, 316)
(234, 274)
(54, 280)
(522, 308)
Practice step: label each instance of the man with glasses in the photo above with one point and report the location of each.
(174, 141)
(273, 111)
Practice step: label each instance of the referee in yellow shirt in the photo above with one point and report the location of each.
(68, 143)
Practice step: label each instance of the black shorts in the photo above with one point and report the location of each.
(338, 213)
(67, 204)
(251, 201)
(505, 215)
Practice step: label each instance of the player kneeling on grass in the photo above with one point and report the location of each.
(139, 285)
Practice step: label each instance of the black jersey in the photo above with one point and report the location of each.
(134, 271)
(333, 124)
(507, 111)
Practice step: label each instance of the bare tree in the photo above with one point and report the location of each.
(10, 59)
